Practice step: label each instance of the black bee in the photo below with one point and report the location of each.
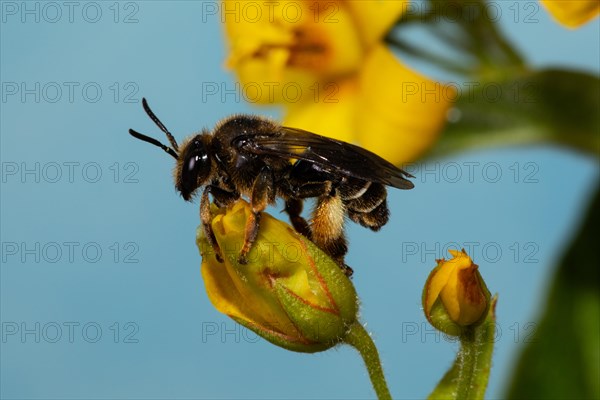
(253, 157)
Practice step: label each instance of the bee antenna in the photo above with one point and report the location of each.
(159, 124)
(153, 141)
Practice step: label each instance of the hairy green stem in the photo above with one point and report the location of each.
(475, 360)
(468, 377)
(467, 366)
(360, 339)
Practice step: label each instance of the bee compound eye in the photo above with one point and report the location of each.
(192, 162)
(195, 169)
(196, 163)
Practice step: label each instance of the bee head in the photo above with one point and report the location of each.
(193, 166)
(193, 162)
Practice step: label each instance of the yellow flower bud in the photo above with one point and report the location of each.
(289, 292)
(455, 296)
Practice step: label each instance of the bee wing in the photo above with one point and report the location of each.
(331, 155)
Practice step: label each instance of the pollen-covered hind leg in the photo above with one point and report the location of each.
(327, 229)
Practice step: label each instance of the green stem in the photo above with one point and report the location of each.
(468, 377)
(475, 361)
(484, 50)
(360, 339)
(510, 52)
(428, 56)
(467, 365)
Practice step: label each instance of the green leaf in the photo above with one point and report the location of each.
(549, 106)
(563, 359)
(468, 377)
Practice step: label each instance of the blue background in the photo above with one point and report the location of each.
(160, 337)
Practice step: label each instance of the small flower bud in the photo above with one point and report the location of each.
(289, 292)
(455, 296)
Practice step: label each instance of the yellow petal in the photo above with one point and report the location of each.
(327, 43)
(277, 53)
(443, 282)
(401, 112)
(449, 294)
(462, 295)
(438, 279)
(240, 293)
(572, 13)
(222, 291)
(472, 301)
(374, 18)
(460, 258)
(330, 112)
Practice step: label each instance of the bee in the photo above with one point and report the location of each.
(253, 157)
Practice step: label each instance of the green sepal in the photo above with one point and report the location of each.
(285, 342)
(340, 287)
(440, 319)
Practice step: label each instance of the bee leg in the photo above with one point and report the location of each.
(262, 195)
(293, 207)
(223, 198)
(206, 218)
(328, 229)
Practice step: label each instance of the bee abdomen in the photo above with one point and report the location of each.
(353, 189)
(369, 200)
(370, 208)
(374, 219)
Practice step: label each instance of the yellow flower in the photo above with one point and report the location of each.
(455, 295)
(327, 64)
(572, 13)
(289, 292)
